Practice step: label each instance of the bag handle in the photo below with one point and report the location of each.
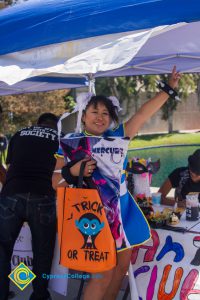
(88, 180)
(80, 178)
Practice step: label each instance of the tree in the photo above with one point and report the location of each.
(127, 89)
(23, 110)
(12, 2)
(130, 89)
(187, 85)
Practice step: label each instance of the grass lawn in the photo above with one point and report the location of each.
(164, 139)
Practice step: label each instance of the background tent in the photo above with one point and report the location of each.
(91, 38)
(179, 46)
(42, 84)
(39, 23)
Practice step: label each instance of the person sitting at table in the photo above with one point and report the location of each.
(185, 180)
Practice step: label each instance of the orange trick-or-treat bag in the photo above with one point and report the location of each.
(86, 242)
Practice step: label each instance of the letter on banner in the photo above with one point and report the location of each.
(162, 295)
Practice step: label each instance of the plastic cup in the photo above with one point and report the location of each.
(192, 207)
(156, 198)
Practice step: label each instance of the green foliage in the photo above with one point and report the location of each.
(12, 2)
(130, 89)
(23, 110)
(187, 85)
(69, 102)
(165, 139)
(168, 108)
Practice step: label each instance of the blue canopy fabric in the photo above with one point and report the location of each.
(38, 23)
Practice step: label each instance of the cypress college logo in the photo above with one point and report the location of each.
(22, 276)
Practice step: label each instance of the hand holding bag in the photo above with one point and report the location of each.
(86, 242)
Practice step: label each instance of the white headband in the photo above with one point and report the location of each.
(81, 103)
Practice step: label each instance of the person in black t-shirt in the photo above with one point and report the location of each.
(2, 175)
(185, 180)
(3, 147)
(27, 195)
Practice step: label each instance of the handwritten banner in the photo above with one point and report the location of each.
(166, 268)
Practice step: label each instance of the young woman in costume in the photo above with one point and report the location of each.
(97, 113)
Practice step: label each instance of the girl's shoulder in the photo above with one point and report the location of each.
(117, 131)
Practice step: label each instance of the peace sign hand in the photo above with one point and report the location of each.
(174, 78)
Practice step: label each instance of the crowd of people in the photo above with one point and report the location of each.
(34, 172)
